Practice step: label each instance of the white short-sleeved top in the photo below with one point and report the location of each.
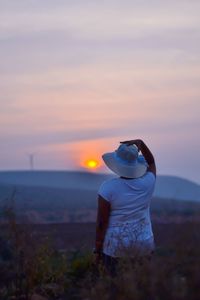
(129, 217)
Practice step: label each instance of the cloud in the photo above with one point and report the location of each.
(110, 18)
(83, 70)
(46, 50)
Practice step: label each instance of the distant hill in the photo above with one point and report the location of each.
(55, 179)
(172, 187)
(169, 187)
(55, 197)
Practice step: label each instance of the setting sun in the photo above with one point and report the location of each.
(91, 163)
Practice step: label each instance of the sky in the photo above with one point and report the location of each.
(77, 77)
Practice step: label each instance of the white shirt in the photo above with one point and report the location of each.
(129, 221)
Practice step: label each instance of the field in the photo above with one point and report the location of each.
(57, 263)
(46, 241)
(73, 236)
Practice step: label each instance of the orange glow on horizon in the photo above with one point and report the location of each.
(87, 154)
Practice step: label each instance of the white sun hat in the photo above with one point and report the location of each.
(126, 161)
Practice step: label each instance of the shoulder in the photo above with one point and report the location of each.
(108, 184)
(107, 187)
(148, 180)
(150, 176)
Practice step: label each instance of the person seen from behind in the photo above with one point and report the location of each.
(123, 215)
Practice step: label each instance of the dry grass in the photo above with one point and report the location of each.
(56, 261)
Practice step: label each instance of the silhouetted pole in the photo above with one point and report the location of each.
(31, 161)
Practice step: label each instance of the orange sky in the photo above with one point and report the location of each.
(76, 79)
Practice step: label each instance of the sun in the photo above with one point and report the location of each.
(91, 163)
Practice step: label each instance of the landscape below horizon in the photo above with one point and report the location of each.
(47, 233)
(71, 196)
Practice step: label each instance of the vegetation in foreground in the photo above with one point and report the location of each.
(31, 268)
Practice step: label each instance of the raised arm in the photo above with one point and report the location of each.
(146, 153)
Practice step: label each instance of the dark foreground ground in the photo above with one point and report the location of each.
(74, 236)
(55, 261)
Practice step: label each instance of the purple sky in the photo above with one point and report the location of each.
(76, 77)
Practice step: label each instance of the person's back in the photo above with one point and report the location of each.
(129, 210)
(129, 198)
(123, 219)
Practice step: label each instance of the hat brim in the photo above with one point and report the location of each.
(122, 169)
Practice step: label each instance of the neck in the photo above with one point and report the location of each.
(125, 177)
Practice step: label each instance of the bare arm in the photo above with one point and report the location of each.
(146, 152)
(103, 214)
